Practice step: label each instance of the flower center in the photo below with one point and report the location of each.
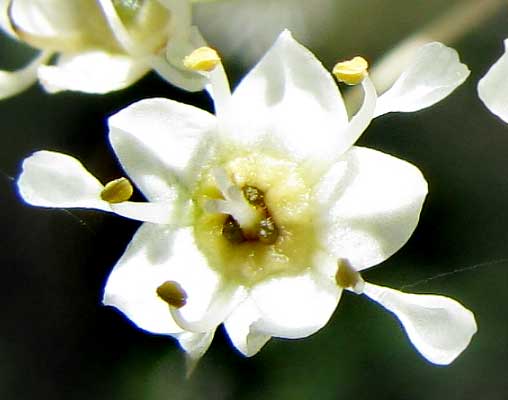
(263, 228)
(255, 219)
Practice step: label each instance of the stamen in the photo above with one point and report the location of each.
(347, 277)
(254, 196)
(268, 232)
(351, 72)
(172, 293)
(232, 231)
(203, 59)
(234, 202)
(117, 191)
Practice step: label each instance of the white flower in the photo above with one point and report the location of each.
(260, 216)
(101, 45)
(493, 87)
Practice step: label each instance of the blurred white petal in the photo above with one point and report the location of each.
(12, 83)
(91, 72)
(493, 87)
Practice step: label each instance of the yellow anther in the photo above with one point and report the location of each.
(117, 191)
(202, 59)
(172, 293)
(351, 72)
(347, 277)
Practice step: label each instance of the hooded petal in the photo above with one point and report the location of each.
(158, 254)
(12, 83)
(91, 72)
(288, 102)
(45, 17)
(440, 328)
(50, 179)
(240, 326)
(170, 64)
(493, 87)
(294, 307)
(372, 203)
(159, 143)
(434, 73)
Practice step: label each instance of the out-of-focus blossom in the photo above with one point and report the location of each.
(259, 217)
(99, 46)
(493, 87)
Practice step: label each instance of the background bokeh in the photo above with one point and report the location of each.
(56, 339)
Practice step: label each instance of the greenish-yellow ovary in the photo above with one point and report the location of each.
(285, 240)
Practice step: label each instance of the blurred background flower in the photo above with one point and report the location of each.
(57, 341)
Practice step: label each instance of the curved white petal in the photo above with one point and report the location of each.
(91, 72)
(12, 83)
(493, 87)
(434, 73)
(159, 143)
(157, 254)
(440, 328)
(289, 103)
(5, 23)
(184, 79)
(117, 27)
(181, 15)
(294, 307)
(371, 203)
(51, 179)
(47, 18)
(240, 328)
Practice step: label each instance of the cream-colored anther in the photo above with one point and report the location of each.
(347, 277)
(203, 59)
(117, 191)
(351, 72)
(172, 293)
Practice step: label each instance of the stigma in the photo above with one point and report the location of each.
(248, 217)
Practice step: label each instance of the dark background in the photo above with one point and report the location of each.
(58, 342)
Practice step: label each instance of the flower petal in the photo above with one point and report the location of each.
(493, 87)
(434, 73)
(157, 254)
(51, 20)
(5, 23)
(91, 72)
(195, 345)
(159, 142)
(187, 80)
(12, 83)
(373, 208)
(440, 328)
(240, 328)
(50, 179)
(288, 102)
(295, 307)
